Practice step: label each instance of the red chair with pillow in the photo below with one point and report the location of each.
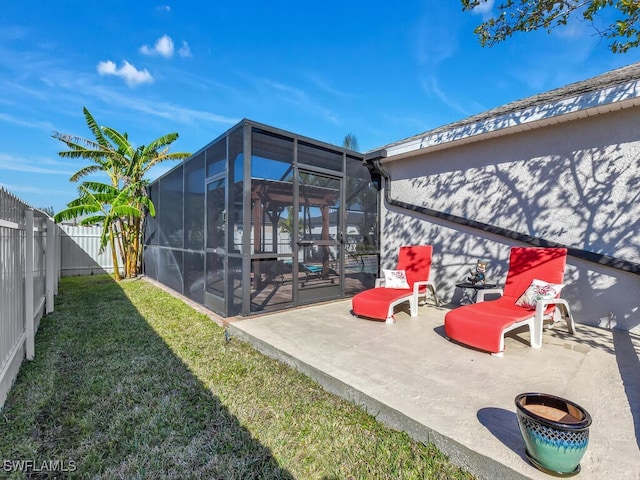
(530, 297)
(407, 283)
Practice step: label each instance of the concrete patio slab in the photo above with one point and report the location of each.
(409, 376)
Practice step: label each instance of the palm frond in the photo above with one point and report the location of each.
(176, 156)
(162, 141)
(98, 156)
(151, 207)
(120, 140)
(142, 200)
(95, 129)
(76, 202)
(93, 220)
(100, 187)
(103, 198)
(83, 172)
(125, 196)
(134, 166)
(126, 211)
(78, 143)
(74, 211)
(161, 158)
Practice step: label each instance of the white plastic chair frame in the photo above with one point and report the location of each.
(413, 298)
(536, 321)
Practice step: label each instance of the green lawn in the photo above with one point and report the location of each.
(130, 382)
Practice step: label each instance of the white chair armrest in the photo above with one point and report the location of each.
(430, 288)
(564, 308)
(417, 285)
(484, 291)
(379, 282)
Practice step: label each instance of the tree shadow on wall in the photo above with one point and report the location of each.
(585, 199)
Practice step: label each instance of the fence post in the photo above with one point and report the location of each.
(28, 285)
(50, 264)
(58, 258)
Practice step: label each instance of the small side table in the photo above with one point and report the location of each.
(466, 286)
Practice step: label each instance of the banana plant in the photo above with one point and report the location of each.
(112, 153)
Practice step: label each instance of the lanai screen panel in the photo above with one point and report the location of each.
(362, 249)
(194, 210)
(169, 207)
(271, 234)
(234, 209)
(151, 236)
(170, 230)
(217, 158)
(227, 236)
(316, 156)
(271, 193)
(194, 176)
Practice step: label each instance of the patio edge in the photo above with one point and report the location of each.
(477, 464)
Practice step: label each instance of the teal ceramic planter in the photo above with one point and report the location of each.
(555, 432)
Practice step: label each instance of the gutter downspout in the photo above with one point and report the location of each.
(374, 161)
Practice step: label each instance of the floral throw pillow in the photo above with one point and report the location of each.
(538, 290)
(395, 279)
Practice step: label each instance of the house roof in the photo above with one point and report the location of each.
(613, 90)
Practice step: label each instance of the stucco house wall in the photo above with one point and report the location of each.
(573, 182)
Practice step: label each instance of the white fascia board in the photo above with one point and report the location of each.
(580, 106)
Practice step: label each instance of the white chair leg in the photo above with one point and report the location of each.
(413, 306)
(429, 288)
(501, 352)
(535, 328)
(566, 314)
(432, 289)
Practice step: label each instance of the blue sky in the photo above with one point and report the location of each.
(383, 71)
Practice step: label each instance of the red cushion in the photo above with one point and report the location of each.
(481, 324)
(375, 303)
(415, 260)
(527, 263)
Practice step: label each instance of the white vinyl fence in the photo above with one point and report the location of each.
(29, 274)
(81, 252)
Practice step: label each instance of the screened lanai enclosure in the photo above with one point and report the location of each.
(261, 219)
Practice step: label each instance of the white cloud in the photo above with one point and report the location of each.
(42, 125)
(163, 8)
(325, 85)
(484, 9)
(163, 47)
(431, 86)
(22, 189)
(172, 112)
(184, 51)
(15, 163)
(131, 75)
(437, 37)
(299, 98)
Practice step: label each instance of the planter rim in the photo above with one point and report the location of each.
(581, 425)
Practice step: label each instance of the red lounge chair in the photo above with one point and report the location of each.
(379, 302)
(483, 325)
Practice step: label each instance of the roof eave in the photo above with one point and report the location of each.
(590, 104)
